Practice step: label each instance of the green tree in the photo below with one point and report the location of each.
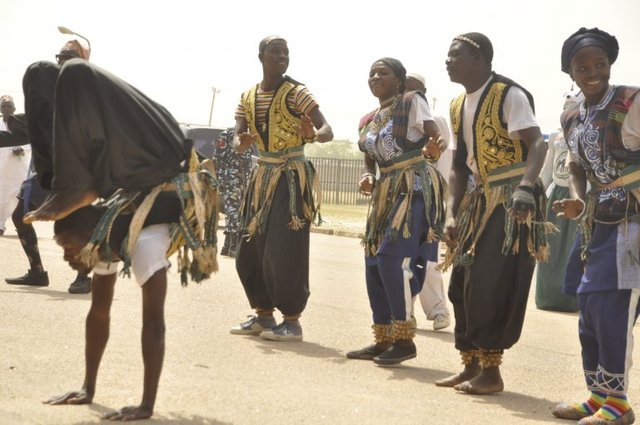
(344, 149)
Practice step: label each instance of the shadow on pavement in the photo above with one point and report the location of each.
(54, 294)
(307, 349)
(169, 418)
(522, 405)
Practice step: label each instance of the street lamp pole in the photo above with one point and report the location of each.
(65, 30)
(213, 99)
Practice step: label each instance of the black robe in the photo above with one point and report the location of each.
(90, 130)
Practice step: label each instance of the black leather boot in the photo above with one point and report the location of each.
(225, 246)
(233, 244)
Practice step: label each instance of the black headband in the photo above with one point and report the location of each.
(397, 68)
(588, 37)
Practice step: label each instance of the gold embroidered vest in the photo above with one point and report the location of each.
(493, 148)
(281, 127)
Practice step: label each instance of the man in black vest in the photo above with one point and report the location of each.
(496, 212)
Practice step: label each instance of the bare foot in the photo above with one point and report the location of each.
(58, 206)
(488, 381)
(129, 413)
(470, 371)
(72, 397)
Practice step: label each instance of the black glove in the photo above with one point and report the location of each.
(522, 199)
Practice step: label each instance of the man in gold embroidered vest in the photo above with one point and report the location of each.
(280, 116)
(495, 217)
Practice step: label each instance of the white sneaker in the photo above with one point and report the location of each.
(441, 321)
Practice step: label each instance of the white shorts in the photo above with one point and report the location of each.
(149, 254)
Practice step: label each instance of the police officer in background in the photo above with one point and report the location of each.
(233, 171)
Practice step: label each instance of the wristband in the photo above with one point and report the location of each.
(526, 188)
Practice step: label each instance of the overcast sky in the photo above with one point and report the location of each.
(177, 51)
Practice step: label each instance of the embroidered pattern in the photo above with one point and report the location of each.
(494, 148)
(592, 381)
(282, 134)
(585, 138)
(382, 147)
(611, 383)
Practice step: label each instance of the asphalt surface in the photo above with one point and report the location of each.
(213, 377)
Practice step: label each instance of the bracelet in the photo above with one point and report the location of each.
(368, 175)
(434, 158)
(313, 139)
(584, 209)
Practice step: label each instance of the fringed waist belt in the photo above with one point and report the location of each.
(629, 179)
(402, 162)
(300, 174)
(281, 158)
(195, 230)
(476, 209)
(615, 209)
(387, 211)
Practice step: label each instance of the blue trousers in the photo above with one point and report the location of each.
(606, 336)
(396, 274)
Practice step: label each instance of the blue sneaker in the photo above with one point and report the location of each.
(254, 326)
(288, 330)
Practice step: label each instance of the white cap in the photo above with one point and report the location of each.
(417, 77)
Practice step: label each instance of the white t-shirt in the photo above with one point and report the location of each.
(444, 163)
(517, 113)
(418, 114)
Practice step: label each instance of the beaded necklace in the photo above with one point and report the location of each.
(381, 119)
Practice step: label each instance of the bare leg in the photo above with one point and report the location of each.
(96, 337)
(58, 206)
(153, 331)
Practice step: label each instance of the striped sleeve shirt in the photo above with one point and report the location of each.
(300, 101)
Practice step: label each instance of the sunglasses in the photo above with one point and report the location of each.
(63, 57)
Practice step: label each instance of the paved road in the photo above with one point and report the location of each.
(212, 377)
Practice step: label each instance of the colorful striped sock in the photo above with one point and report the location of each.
(593, 403)
(613, 408)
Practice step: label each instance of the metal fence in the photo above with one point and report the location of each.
(339, 180)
